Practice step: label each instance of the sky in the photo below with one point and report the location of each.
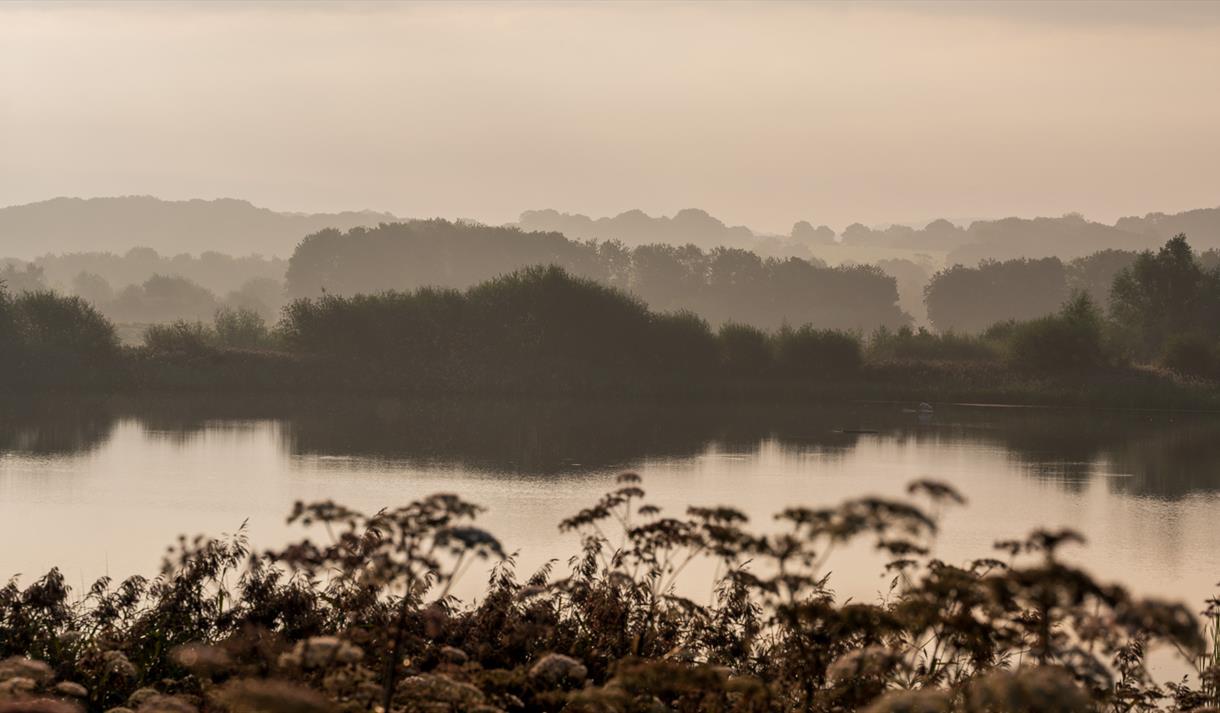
(762, 114)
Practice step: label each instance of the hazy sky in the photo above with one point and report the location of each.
(762, 114)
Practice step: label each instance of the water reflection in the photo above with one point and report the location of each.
(1147, 454)
(54, 427)
(99, 486)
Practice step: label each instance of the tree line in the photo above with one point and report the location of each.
(543, 330)
(1150, 306)
(971, 299)
(721, 285)
(148, 291)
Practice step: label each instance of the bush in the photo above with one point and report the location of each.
(1192, 355)
(240, 328)
(180, 337)
(922, 345)
(744, 351)
(54, 324)
(49, 339)
(541, 320)
(683, 347)
(811, 353)
(1071, 340)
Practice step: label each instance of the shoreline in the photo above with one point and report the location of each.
(941, 385)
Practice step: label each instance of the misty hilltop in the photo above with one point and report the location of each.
(116, 224)
(237, 227)
(1069, 236)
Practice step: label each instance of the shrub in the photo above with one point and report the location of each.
(744, 351)
(922, 345)
(180, 337)
(52, 324)
(1071, 340)
(811, 353)
(541, 319)
(240, 328)
(683, 348)
(49, 339)
(1192, 355)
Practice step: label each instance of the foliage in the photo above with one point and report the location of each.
(720, 284)
(262, 295)
(217, 272)
(1094, 274)
(162, 298)
(968, 299)
(906, 344)
(179, 337)
(30, 278)
(1192, 355)
(51, 340)
(1071, 340)
(805, 352)
(365, 617)
(230, 329)
(1164, 294)
(240, 328)
(541, 328)
(745, 351)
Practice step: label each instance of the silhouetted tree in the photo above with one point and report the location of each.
(92, 288)
(260, 295)
(28, 278)
(804, 233)
(215, 271)
(970, 299)
(1094, 274)
(163, 299)
(1163, 294)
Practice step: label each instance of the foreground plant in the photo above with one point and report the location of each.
(364, 620)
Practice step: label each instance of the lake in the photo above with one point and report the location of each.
(102, 486)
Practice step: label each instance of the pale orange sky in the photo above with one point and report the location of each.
(763, 114)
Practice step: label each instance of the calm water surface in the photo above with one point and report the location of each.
(102, 487)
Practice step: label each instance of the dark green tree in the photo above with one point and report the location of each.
(1163, 294)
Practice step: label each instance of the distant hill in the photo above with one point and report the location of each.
(1066, 237)
(236, 227)
(116, 224)
(1201, 225)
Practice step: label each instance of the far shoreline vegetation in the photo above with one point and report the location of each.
(541, 331)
